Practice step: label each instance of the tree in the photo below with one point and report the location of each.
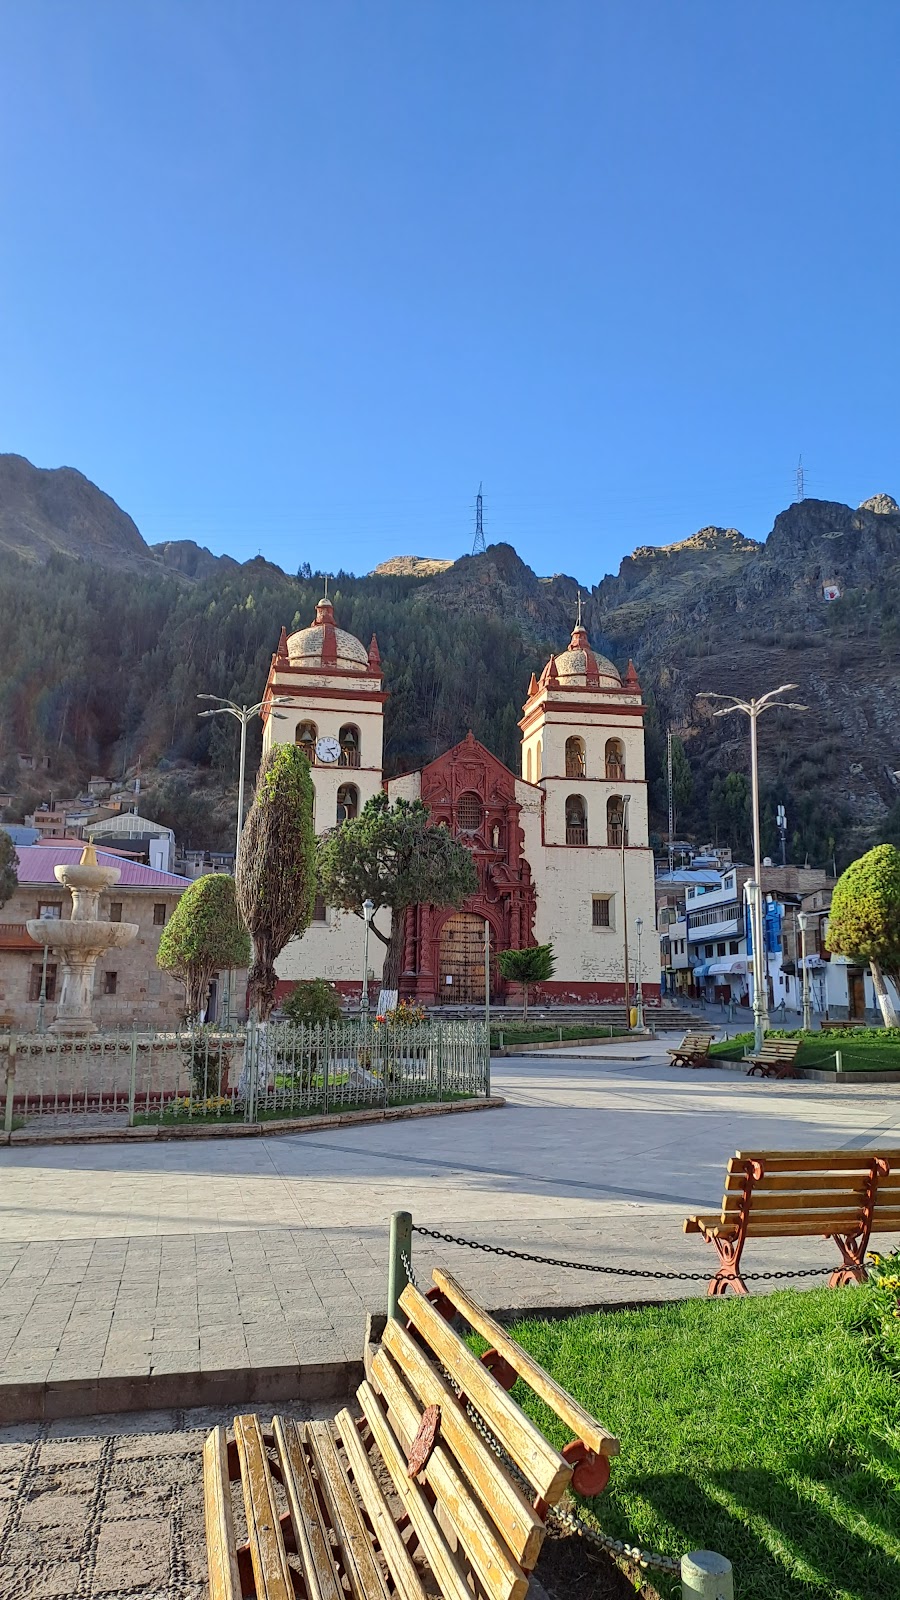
(9, 867)
(203, 936)
(396, 857)
(682, 781)
(534, 965)
(864, 921)
(276, 867)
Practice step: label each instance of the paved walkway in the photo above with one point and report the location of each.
(120, 1260)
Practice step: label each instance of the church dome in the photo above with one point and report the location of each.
(580, 666)
(324, 645)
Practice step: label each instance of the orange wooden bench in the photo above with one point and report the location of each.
(408, 1500)
(775, 1059)
(844, 1195)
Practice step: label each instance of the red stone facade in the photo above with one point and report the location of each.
(475, 795)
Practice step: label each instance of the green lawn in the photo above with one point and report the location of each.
(183, 1118)
(862, 1049)
(763, 1428)
(550, 1033)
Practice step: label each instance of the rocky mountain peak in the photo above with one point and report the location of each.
(884, 505)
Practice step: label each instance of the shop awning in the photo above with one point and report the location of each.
(703, 969)
(737, 964)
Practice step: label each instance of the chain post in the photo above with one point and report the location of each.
(400, 1246)
(10, 1086)
(705, 1575)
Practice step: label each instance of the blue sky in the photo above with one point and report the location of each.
(294, 275)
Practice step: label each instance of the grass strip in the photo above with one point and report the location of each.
(762, 1428)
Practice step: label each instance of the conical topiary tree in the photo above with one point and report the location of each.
(203, 936)
(276, 867)
(864, 920)
(527, 967)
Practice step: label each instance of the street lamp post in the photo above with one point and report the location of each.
(368, 909)
(754, 896)
(639, 924)
(754, 710)
(625, 802)
(803, 919)
(243, 714)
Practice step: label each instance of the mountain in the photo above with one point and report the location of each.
(102, 657)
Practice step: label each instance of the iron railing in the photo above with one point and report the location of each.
(253, 1074)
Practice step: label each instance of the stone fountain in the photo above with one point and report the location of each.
(82, 940)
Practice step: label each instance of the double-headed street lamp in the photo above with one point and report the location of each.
(639, 925)
(243, 715)
(754, 710)
(803, 920)
(368, 911)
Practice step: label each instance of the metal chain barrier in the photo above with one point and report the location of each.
(565, 1519)
(611, 1272)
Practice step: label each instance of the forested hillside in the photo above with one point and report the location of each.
(103, 653)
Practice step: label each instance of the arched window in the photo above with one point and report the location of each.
(347, 802)
(538, 762)
(575, 767)
(469, 813)
(616, 831)
(305, 737)
(615, 760)
(576, 820)
(348, 739)
(528, 764)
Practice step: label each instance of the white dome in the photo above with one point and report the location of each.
(580, 664)
(324, 645)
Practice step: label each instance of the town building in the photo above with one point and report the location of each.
(130, 989)
(561, 848)
(840, 988)
(135, 836)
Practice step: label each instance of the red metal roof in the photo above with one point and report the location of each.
(37, 861)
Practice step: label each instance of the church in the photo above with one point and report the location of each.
(562, 848)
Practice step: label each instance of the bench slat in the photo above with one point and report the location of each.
(541, 1464)
(568, 1410)
(813, 1160)
(431, 1538)
(836, 1199)
(267, 1552)
(398, 1558)
(313, 1544)
(500, 1573)
(790, 1183)
(361, 1566)
(515, 1517)
(221, 1544)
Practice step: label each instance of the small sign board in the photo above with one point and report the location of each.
(831, 591)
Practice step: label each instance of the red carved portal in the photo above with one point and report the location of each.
(472, 792)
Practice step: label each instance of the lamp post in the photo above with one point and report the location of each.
(368, 909)
(754, 710)
(625, 802)
(243, 715)
(639, 924)
(754, 897)
(803, 919)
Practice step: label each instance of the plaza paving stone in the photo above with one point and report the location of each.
(123, 1260)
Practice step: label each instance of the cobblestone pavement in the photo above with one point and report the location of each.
(120, 1261)
(108, 1508)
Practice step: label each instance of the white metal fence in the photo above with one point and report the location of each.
(253, 1074)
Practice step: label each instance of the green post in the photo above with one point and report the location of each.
(401, 1245)
(705, 1575)
(10, 1086)
(838, 1061)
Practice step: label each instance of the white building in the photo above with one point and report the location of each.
(562, 850)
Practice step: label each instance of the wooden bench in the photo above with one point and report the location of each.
(381, 1506)
(693, 1051)
(827, 1026)
(775, 1059)
(793, 1194)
